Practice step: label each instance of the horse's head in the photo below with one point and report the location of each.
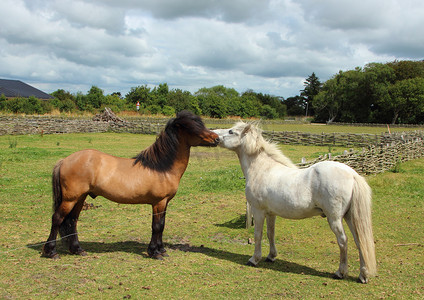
(195, 130)
(242, 136)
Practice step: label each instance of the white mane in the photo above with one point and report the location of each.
(254, 142)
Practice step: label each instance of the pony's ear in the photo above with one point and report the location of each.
(246, 129)
(249, 139)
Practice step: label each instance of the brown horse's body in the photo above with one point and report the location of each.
(117, 179)
(150, 178)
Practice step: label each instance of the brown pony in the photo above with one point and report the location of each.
(152, 177)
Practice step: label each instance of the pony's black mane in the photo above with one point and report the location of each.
(161, 155)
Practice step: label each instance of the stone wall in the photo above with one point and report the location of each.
(51, 125)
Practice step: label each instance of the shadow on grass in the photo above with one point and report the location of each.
(141, 249)
(236, 223)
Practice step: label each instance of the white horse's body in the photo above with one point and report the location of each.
(295, 193)
(276, 187)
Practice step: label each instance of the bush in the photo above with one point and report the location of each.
(268, 112)
(153, 109)
(168, 111)
(27, 106)
(114, 102)
(67, 105)
(2, 101)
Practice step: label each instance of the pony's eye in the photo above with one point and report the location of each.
(230, 132)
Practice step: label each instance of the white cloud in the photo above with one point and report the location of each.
(269, 46)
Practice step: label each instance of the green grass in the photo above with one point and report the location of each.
(204, 233)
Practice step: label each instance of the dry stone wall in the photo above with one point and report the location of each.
(50, 125)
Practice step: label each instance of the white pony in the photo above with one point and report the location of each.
(276, 187)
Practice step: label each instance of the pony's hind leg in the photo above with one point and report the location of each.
(259, 218)
(270, 231)
(336, 226)
(68, 228)
(49, 249)
(363, 275)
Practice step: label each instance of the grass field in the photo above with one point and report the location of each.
(204, 234)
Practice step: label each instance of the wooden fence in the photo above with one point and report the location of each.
(376, 159)
(341, 139)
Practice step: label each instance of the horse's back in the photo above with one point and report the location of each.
(325, 187)
(118, 179)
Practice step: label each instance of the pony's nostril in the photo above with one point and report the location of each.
(217, 140)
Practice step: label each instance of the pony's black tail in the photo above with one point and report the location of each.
(57, 188)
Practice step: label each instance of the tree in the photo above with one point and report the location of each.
(407, 69)
(62, 95)
(268, 112)
(117, 94)
(381, 93)
(213, 106)
(115, 102)
(276, 103)
(139, 94)
(64, 101)
(95, 97)
(312, 88)
(81, 102)
(160, 94)
(376, 81)
(250, 106)
(295, 106)
(183, 100)
(214, 102)
(406, 100)
(327, 103)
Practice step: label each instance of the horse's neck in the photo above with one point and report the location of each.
(254, 164)
(181, 161)
(248, 163)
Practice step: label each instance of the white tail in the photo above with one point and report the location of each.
(362, 223)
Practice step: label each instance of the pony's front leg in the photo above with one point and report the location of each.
(270, 231)
(156, 249)
(259, 218)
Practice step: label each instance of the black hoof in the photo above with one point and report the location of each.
(53, 256)
(78, 251)
(268, 260)
(157, 256)
(250, 264)
(81, 253)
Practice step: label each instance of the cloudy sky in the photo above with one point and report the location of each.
(269, 46)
